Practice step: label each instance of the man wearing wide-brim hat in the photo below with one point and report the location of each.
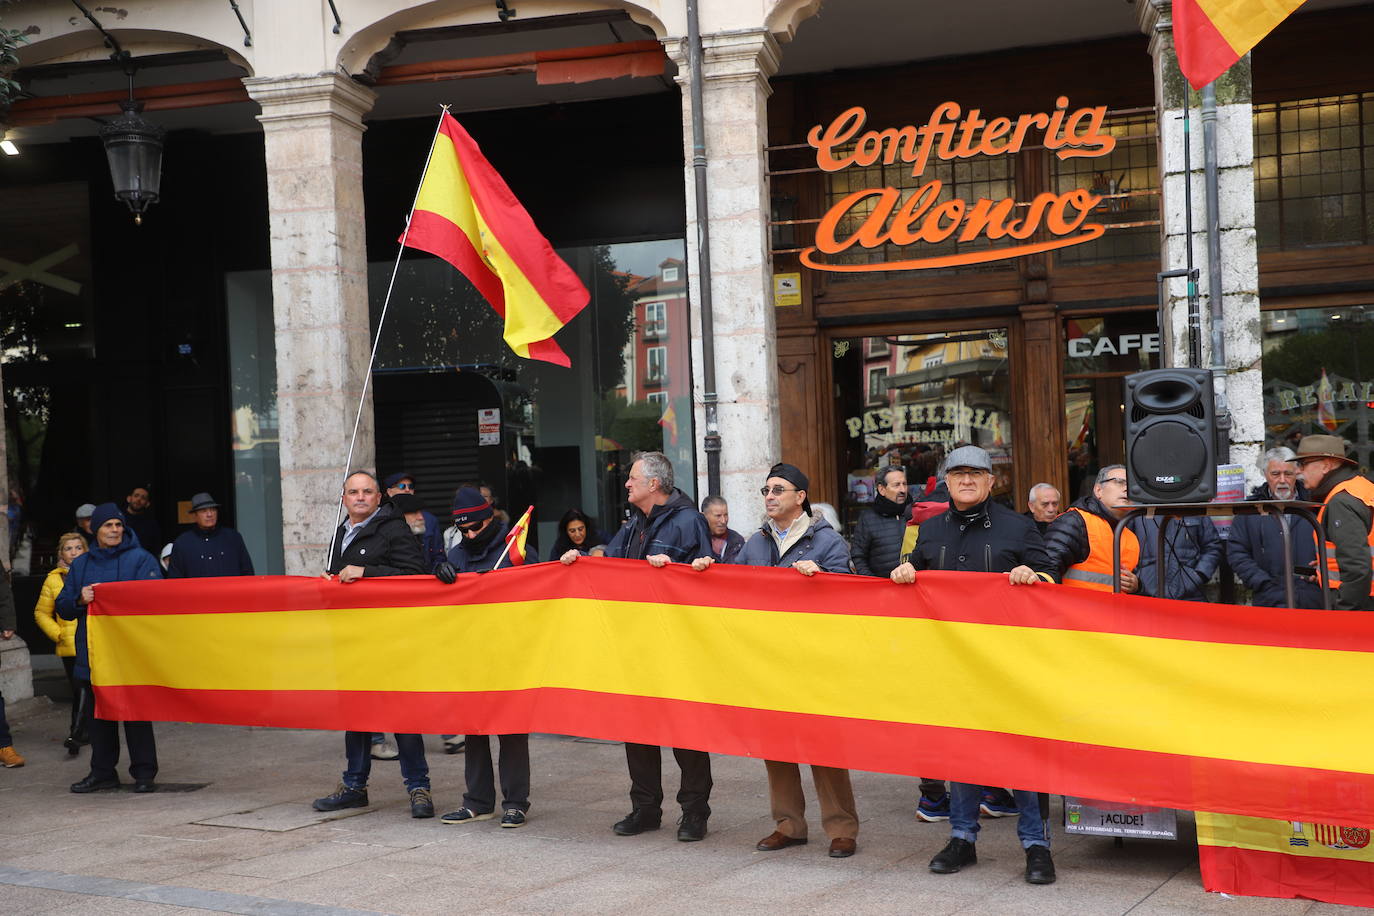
(1347, 514)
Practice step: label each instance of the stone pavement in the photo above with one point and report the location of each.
(247, 842)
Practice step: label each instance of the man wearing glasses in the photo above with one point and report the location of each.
(793, 537)
(432, 541)
(1079, 542)
(978, 535)
(1347, 514)
(664, 527)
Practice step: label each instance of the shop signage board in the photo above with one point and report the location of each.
(1118, 345)
(991, 230)
(1098, 818)
(489, 426)
(786, 289)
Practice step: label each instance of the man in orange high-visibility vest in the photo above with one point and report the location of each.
(1079, 541)
(1347, 514)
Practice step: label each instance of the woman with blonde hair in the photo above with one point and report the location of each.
(63, 632)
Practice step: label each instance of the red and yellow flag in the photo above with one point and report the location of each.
(1326, 404)
(1211, 35)
(669, 423)
(466, 214)
(516, 538)
(1258, 857)
(1139, 700)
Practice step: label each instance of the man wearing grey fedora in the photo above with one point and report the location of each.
(1347, 514)
(208, 549)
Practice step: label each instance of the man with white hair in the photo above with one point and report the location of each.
(1043, 505)
(1255, 547)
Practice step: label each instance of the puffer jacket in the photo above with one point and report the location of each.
(62, 632)
(675, 529)
(1192, 551)
(1255, 549)
(1066, 539)
(876, 546)
(820, 544)
(124, 562)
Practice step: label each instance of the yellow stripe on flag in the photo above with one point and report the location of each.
(1242, 23)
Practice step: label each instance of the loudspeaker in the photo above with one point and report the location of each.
(1170, 436)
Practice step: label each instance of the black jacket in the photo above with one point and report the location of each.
(384, 546)
(675, 528)
(1255, 549)
(988, 538)
(876, 545)
(1066, 539)
(218, 552)
(485, 558)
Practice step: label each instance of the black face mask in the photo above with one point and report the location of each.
(479, 543)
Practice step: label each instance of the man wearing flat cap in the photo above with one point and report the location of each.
(793, 537)
(976, 534)
(208, 549)
(1347, 514)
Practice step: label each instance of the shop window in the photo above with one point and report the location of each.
(1127, 180)
(566, 436)
(1314, 172)
(1100, 351)
(943, 390)
(877, 346)
(1318, 370)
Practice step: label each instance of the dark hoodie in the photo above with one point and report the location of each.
(124, 562)
(675, 528)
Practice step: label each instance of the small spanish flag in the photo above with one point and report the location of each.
(669, 423)
(515, 539)
(1211, 35)
(466, 214)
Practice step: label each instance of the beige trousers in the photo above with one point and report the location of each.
(838, 815)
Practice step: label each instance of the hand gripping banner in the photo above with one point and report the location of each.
(1240, 710)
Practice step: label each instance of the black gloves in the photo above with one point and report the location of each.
(446, 573)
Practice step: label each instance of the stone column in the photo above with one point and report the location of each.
(736, 68)
(1239, 257)
(313, 128)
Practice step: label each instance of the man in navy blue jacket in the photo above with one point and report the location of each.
(208, 549)
(1255, 547)
(664, 527)
(114, 557)
(483, 548)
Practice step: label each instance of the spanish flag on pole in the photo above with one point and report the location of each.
(1211, 35)
(515, 539)
(466, 214)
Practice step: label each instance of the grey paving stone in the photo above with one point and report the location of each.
(279, 818)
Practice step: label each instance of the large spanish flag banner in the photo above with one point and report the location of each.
(466, 214)
(1242, 710)
(1211, 35)
(1292, 858)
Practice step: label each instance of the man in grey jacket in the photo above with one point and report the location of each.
(793, 537)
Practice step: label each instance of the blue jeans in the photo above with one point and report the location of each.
(964, 800)
(358, 751)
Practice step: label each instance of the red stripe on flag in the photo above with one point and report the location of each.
(1203, 53)
(432, 233)
(979, 598)
(1255, 873)
(510, 222)
(985, 758)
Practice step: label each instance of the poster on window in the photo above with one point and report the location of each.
(1091, 817)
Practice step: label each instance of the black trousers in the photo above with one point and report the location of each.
(104, 737)
(646, 778)
(480, 796)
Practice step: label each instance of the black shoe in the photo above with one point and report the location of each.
(956, 854)
(143, 786)
(691, 827)
(638, 821)
(343, 797)
(93, 783)
(1039, 865)
(421, 803)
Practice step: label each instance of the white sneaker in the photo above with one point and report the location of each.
(385, 750)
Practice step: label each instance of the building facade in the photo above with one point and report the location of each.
(865, 308)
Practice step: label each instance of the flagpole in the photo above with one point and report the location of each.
(376, 341)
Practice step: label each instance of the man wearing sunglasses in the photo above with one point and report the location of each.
(432, 539)
(976, 534)
(1080, 541)
(664, 527)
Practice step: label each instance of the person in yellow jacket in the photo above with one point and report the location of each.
(1347, 514)
(63, 632)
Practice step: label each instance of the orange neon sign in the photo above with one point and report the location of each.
(923, 217)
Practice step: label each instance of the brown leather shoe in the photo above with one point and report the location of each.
(778, 840)
(842, 847)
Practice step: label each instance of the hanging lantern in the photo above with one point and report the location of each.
(134, 149)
